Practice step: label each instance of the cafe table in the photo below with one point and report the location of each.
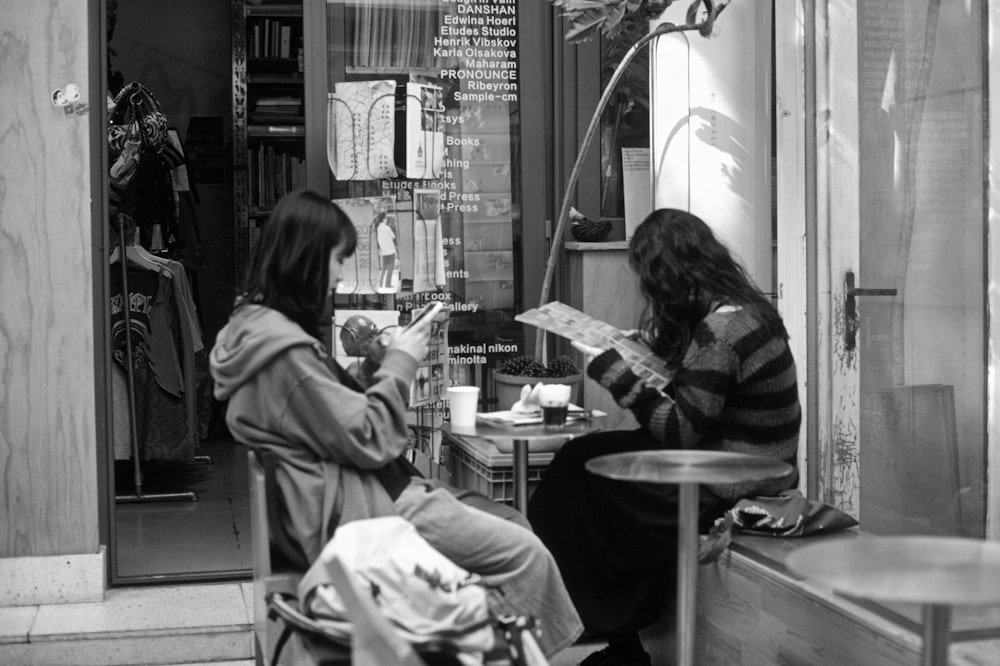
(521, 437)
(932, 571)
(687, 468)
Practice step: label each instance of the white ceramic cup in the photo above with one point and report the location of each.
(554, 395)
(554, 400)
(464, 401)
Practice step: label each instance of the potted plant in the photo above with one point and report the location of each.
(519, 371)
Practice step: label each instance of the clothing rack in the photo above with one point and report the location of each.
(138, 494)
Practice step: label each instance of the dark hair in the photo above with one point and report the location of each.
(290, 264)
(684, 272)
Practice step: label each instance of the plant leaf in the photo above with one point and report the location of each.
(588, 18)
(585, 25)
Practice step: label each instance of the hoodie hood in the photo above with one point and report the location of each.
(250, 340)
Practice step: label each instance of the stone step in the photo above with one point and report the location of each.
(187, 624)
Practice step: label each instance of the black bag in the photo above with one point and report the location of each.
(137, 127)
(136, 116)
(787, 515)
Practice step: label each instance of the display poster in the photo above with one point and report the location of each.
(462, 98)
(431, 380)
(354, 331)
(371, 269)
(454, 70)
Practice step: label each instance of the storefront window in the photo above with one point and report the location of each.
(625, 124)
(912, 341)
(424, 114)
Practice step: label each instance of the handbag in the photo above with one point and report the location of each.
(426, 597)
(789, 514)
(136, 116)
(137, 128)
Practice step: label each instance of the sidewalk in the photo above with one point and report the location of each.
(185, 624)
(189, 625)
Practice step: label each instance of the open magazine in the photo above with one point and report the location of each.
(570, 323)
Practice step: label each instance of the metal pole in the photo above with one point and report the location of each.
(687, 572)
(937, 634)
(521, 475)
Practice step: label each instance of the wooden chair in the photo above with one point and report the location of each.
(278, 566)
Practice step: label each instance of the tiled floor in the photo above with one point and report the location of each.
(210, 535)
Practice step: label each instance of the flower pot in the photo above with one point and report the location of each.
(508, 387)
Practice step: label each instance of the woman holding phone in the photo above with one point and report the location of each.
(338, 443)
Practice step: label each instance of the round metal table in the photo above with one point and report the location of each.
(687, 468)
(521, 436)
(935, 572)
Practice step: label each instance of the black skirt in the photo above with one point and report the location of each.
(615, 541)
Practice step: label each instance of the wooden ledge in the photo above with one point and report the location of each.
(751, 608)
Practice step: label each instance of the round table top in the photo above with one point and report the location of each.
(492, 430)
(688, 466)
(912, 569)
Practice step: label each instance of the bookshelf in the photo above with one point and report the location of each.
(269, 131)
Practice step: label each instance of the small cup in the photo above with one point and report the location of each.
(554, 400)
(464, 401)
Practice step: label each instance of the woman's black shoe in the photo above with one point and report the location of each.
(606, 658)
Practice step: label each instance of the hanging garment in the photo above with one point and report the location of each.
(361, 130)
(161, 412)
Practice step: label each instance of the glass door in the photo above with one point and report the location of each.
(902, 225)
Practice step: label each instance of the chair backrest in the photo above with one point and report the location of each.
(272, 570)
(285, 553)
(277, 567)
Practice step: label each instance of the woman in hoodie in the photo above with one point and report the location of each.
(339, 444)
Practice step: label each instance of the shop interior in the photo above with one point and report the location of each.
(181, 506)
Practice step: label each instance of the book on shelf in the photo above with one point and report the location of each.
(263, 129)
(285, 42)
(277, 110)
(287, 101)
(572, 324)
(272, 174)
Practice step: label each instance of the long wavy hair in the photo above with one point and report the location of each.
(289, 268)
(684, 273)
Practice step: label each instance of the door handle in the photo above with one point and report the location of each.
(851, 308)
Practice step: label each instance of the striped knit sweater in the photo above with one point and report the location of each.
(734, 390)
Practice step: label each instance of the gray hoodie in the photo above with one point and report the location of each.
(331, 440)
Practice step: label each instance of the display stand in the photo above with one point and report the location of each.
(138, 495)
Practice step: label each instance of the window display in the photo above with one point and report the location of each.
(423, 108)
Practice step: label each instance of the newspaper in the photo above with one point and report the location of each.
(570, 323)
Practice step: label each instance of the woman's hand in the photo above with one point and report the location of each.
(413, 339)
(589, 352)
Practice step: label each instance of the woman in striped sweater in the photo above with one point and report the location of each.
(733, 389)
